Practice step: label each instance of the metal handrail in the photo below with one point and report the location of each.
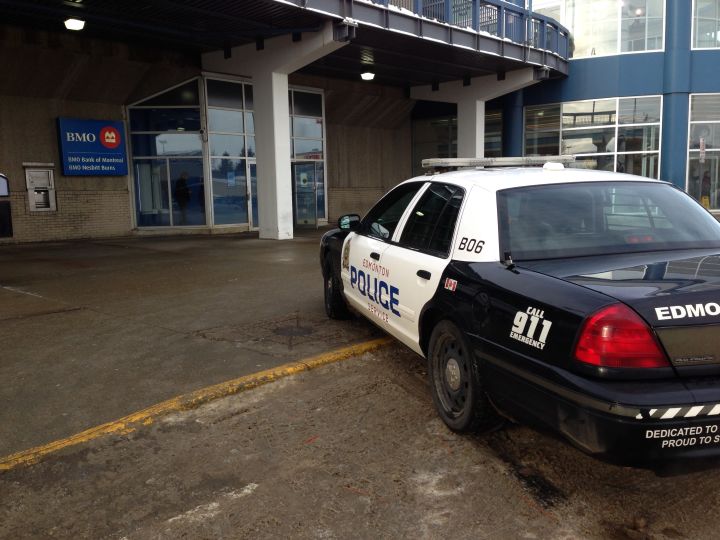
(501, 18)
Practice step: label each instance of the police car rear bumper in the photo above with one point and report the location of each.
(622, 421)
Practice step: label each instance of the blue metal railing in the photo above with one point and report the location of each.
(506, 19)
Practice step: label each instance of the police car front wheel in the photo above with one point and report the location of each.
(335, 306)
(455, 381)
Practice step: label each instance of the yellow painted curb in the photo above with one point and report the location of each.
(189, 401)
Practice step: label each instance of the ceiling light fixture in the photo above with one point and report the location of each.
(74, 24)
(367, 76)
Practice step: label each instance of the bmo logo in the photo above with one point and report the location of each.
(80, 137)
(109, 137)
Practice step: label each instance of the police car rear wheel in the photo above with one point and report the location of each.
(455, 382)
(335, 306)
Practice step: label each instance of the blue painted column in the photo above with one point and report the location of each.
(512, 136)
(676, 92)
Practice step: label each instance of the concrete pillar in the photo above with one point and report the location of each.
(269, 67)
(471, 128)
(470, 99)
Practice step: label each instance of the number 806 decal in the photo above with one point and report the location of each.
(471, 245)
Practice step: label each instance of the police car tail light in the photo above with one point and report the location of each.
(616, 337)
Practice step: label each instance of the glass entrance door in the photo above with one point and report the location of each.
(305, 179)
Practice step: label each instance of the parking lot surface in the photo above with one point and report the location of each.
(92, 331)
(351, 450)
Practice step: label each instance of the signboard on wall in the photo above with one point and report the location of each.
(92, 147)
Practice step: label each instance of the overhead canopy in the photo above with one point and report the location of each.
(401, 48)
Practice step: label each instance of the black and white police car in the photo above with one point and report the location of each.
(587, 302)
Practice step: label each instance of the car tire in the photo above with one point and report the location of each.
(335, 306)
(456, 382)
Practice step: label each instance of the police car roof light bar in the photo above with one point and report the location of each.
(527, 161)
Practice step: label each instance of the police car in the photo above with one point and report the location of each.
(586, 302)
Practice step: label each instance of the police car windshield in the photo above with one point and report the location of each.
(598, 218)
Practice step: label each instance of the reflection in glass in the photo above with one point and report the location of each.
(588, 141)
(308, 149)
(249, 104)
(320, 189)
(640, 164)
(641, 110)
(596, 29)
(638, 139)
(708, 133)
(250, 122)
(229, 182)
(642, 25)
(493, 133)
(706, 24)
(151, 193)
(165, 119)
(542, 143)
(307, 104)
(253, 191)
(188, 191)
(307, 127)
(225, 121)
(705, 108)
(227, 145)
(305, 198)
(224, 94)
(588, 113)
(251, 146)
(167, 144)
(187, 94)
(703, 179)
(543, 117)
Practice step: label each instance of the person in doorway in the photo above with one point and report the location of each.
(182, 196)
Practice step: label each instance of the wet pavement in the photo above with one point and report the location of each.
(94, 330)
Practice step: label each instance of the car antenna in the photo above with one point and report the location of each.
(507, 260)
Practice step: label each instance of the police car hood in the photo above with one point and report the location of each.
(676, 292)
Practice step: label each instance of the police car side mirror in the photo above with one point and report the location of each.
(349, 222)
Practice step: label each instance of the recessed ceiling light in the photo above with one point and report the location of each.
(367, 76)
(74, 24)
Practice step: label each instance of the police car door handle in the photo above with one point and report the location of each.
(424, 274)
(375, 255)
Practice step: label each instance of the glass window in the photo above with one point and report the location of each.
(227, 145)
(597, 218)
(187, 94)
(166, 119)
(382, 220)
(307, 104)
(705, 108)
(706, 24)
(249, 104)
(493, 133)
(588, 141)
(308, 149)
(229, 180)
(188, 191)
(224, 94)
(225, 121)
(250, 122)
(608, 27)
(599, 132)
(642, 25)
(167, 144)
(307, 127)
(640, 110)
(431, 224)
(152, 201)
(589, 113)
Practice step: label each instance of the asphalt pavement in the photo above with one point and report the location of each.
(94, 330)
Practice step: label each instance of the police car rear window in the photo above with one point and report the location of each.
(568, 220)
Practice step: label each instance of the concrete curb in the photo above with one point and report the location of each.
(188, 401)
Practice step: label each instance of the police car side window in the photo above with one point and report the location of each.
(431, 224)
(383, 218)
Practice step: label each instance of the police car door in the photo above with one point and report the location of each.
(420, 254)
(368, 283)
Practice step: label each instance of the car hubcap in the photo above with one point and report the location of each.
(452, 374)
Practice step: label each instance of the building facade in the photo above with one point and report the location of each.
(642, 94)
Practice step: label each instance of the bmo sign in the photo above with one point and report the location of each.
(92, 147)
